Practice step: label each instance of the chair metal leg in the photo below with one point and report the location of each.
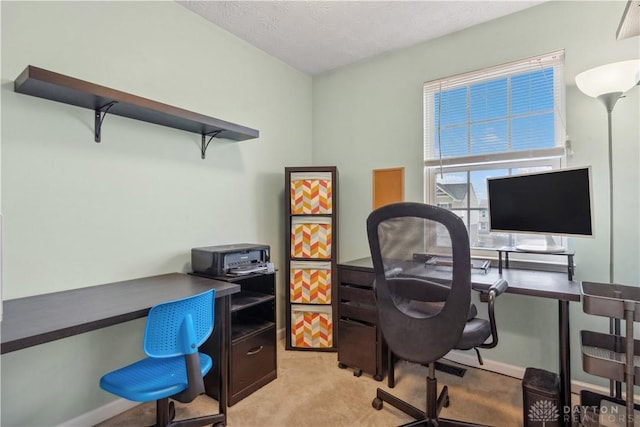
(165, 411)
(434, 403)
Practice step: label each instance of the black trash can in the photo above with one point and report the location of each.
(541, 399)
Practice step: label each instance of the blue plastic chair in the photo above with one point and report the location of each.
(174, 368)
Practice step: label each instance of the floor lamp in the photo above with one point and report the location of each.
(608, 83)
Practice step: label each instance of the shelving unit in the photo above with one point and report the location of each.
(252, 358)
(102, 100)
(311, 257)
(612, 356)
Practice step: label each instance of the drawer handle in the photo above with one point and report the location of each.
(255, 350)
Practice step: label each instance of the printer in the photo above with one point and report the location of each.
(230, 260)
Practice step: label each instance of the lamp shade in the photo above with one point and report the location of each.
(618, 77)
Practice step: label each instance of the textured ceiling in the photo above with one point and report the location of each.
(317, 36)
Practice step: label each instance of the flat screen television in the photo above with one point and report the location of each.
(553, 203)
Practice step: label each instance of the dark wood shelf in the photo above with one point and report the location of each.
(249, 327)
(69, 90)
(247, 299)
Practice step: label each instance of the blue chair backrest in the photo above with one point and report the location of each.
(179, 327)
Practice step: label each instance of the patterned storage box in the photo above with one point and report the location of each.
(311, 193)
(310, 282)
(311, 326)
(311, 237)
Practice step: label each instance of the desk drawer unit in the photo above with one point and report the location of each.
(360, 344)
(253, 363)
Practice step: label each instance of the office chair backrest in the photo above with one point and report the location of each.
(179, 327)
(421, 318)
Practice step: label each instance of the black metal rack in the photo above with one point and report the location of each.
(613, 356)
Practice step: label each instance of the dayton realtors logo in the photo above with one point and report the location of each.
(543, 411)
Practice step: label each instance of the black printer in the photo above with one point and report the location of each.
(230, 260)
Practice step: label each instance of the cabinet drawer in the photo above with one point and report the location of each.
(363, 313)
(357, 346)
(355, 294)
(252, 358)
(355, 277)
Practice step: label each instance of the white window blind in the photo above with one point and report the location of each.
(513, 111)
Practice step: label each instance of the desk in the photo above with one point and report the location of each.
(355, 280)
(40, 319)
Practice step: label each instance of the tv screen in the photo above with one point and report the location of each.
(556, 202)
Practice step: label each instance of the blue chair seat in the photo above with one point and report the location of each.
(152, 378)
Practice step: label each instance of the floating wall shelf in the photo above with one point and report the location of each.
(102, 100)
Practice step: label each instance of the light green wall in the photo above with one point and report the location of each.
(79, 213)
(369, 116)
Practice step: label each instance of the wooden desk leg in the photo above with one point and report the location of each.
(223, 366)
(565, 362)
(391, 369)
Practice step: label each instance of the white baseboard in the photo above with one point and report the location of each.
(100, 414)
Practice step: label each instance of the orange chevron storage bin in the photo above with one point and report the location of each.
(311, 326)
(310, 282)
(311, 193)
(311, 237)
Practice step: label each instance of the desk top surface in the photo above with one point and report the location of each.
(42, 318)
(544, 284)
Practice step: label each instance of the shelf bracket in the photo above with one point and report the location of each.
(205, 145)
(101, 113)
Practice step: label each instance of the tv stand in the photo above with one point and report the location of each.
(508, 249)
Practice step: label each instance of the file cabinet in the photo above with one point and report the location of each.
(252, 358)
(360, 343)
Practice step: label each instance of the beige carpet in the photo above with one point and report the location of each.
(312, 391)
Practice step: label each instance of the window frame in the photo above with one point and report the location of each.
(554, 157)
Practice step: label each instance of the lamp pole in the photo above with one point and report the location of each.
(609, 100)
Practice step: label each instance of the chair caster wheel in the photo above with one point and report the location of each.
(357, 372)
(377, 377)
(377, 403)
(342, 366)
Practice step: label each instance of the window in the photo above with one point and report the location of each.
(499, 121)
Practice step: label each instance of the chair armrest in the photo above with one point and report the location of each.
(489, 296)
(498, 288)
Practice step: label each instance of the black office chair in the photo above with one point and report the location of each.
(421, 258)
(174, 368)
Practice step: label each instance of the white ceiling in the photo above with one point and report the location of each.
(317, 36)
